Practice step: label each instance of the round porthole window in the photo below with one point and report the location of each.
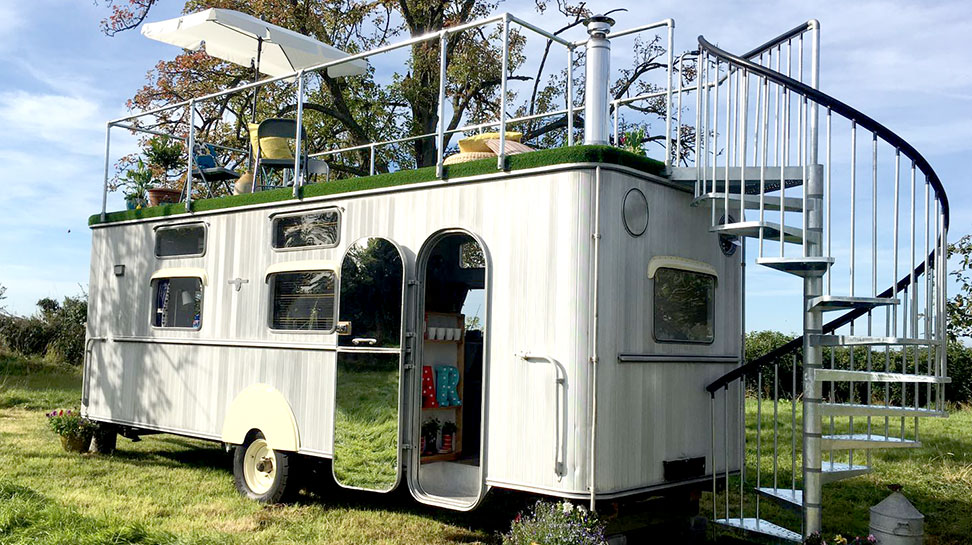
(728, 243)
(634, 212)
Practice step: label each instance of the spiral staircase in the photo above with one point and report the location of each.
(823, 192)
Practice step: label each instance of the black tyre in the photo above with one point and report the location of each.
(261, 473)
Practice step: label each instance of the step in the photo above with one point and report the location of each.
(851, 340)
(828, 303)
(838, 471)
(856, 409)
(862, 441)
(770, 202)
(786, 497)
(800, 266)
(846, 375)
(771, 230)
(687, 176)
(759, 528)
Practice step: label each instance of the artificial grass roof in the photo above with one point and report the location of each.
(540, 158)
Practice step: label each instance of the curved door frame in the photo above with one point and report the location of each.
(375, 350)
(414, 413)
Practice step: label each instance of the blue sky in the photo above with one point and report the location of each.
(903, 63)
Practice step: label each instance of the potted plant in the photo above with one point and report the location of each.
(430, 435)
(165, 161)
(551, 523)
(74, 430)
(449, 430)
(135, 185)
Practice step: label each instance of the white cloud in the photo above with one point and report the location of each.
(69, 122)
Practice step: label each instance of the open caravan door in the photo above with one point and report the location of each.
(367, 454)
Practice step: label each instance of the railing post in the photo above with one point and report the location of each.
(104, 189)
(668, 99)
(501, 156)
(190, 144)
(440, 133)
(598, 73)
(812, 325)
(570, 96)
(300, 133)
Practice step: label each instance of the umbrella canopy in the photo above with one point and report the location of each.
(245, 40)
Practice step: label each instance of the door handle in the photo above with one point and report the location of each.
(364, 340)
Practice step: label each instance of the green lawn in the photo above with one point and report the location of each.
(937, 477)
(167, 489)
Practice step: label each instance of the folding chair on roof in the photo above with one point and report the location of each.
(273, 152)
(208, 169)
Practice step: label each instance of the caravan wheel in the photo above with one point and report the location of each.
(261, 473)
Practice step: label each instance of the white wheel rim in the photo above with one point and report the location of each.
(259, 466)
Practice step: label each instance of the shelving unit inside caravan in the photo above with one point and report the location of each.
(440, 352)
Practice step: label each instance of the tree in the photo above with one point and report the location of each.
(3, 296)
(355, 111)
(959, 307)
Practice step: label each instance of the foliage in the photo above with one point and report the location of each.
(959, 307)
(634, 141)
(3, 295)
(556, 524)
(70, 423)
(816, 539)
(56, 332)
(371, 291)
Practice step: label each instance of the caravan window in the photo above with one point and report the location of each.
(319, 228)
(303, 301)
(178, 302)
(181, 241)
(684, 306)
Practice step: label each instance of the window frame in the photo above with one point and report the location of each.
(203, 224)
(688, 270)
(283, 215)
(270, 297)
(153, 283)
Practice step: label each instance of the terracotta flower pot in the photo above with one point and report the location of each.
(160, 195)
(74, 443)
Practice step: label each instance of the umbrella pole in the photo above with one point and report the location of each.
(256, 90)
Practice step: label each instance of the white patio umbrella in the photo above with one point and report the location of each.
(247, 41)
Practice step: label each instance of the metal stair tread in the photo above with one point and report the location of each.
(844, 375)
(761, 527)
(771, 230)
(751, 202)
(787, 497)
(863, 441)
(800, 266)
(828, 303)
(857, 409)
(793, 175)
(854, 340)
(838, 471)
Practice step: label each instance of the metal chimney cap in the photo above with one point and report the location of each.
(598, 24)
(897, 506)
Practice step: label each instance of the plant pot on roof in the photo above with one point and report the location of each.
(156, 176)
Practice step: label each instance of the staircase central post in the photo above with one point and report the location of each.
(812, 316)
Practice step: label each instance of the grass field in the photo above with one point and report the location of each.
(167, 489)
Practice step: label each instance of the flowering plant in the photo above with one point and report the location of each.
(556, 524)
(816, 539)
(70, 423)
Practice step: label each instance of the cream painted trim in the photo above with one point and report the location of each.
(264, 408)
(307, 265)
(182, 272)
(681, 263)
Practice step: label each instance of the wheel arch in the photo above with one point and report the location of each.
(261, 407)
